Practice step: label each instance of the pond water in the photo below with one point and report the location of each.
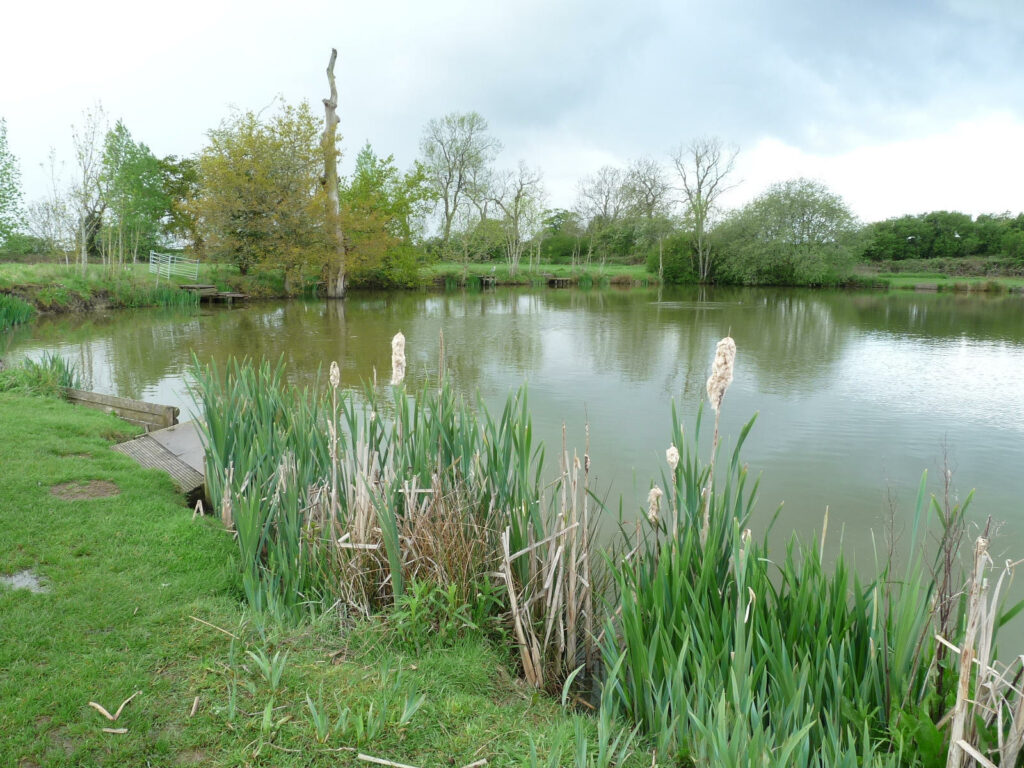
(857, 393)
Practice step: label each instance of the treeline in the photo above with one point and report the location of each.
(254, 196)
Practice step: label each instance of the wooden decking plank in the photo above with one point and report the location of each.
(150, 454)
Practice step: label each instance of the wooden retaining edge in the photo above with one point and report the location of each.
(148, 415)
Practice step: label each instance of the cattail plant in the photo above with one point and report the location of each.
(718, 383)
(398, 358)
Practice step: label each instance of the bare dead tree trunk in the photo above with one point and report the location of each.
(336, 265)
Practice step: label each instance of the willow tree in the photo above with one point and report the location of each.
(335, 265)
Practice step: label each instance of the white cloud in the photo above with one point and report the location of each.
(974, 167)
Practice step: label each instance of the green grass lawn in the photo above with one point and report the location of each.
(144, 598)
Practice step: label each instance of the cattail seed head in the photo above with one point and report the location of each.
(672, 457)
(654, 504)
(335, 375)
(398, 358)
(721, 371)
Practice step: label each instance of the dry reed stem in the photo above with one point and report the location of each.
(381, 761)
(226, 513)
(214, 626)
(958, 729)
(113, 717)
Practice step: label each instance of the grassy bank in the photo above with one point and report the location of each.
(455, 273)
(940, 282)
(52, 287)
(143, 598)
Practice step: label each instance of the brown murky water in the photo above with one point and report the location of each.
(858, 393)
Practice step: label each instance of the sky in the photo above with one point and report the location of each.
(899, 107)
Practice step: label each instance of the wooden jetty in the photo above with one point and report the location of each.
(175, 448)
(178, 451)
(488, 281)
(559, 282)
(209, 292)
(146, 415)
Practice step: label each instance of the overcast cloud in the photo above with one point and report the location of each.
(900, 107)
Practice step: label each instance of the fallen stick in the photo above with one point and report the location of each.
(214, 626)
(113, 717)
(382, 761)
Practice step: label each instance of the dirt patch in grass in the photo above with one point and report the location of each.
(90, 489)
(191, 757)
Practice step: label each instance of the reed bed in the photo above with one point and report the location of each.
(14, 311)
(341, 501)
(712, 649)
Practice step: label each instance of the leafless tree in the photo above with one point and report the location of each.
(51, 218)
(602, 197)
(456, 151)
(519, 196)
(646, 189)
(704, 167)
(329, 143)
(87, 190)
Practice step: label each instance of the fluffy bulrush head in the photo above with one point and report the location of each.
(335, 375)
(721, 371)
(654, 504)
(672, 457)
(398, 358)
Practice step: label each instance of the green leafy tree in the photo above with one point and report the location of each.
(382, 211)
(795, 233)
(180, 179)
(136, 198)
(260, 200)
(11, 218)
(563, 237)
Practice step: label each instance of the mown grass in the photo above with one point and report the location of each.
(129, 578)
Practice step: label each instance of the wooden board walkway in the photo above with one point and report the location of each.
(207, 292)
(177, 450)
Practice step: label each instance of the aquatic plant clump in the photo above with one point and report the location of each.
(14, 311)
(342, 502)
(49, 376)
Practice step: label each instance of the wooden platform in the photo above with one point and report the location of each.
(559, 282)
(207, 292)
(177, 450)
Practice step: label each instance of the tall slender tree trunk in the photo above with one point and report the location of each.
(336, 265)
